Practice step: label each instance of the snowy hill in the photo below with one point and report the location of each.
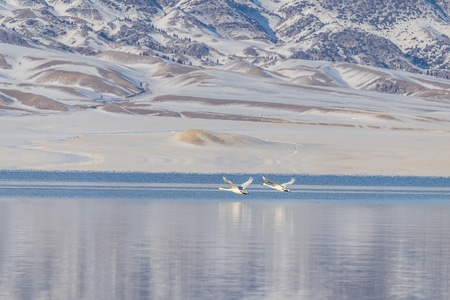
(69, 55)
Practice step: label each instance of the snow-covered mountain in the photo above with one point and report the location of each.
(410, 35)
(63, 55)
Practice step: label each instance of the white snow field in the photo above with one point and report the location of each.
(99, 140)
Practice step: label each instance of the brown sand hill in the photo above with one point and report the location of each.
(201, 137)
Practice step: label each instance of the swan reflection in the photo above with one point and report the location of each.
(78, 249)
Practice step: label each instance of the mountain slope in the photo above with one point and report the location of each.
(409, 35)
(84, 54)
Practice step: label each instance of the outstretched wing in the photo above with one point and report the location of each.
(288, 183)
(269, 181)
(232, 185)
(247, 183)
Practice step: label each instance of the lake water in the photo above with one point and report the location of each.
(91, 235)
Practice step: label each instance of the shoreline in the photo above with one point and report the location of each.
(124, 174)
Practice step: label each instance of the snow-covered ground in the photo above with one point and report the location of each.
(98, 140)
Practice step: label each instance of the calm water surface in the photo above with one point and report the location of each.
(174, 236)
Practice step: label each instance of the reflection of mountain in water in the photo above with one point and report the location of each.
(202, 249)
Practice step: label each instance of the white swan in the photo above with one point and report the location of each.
(279, 187)
(237, 189)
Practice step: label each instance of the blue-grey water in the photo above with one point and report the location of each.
(93, 235)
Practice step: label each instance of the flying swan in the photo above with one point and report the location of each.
(279, 187)
(237, 189)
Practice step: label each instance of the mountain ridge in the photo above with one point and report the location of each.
(411, 35)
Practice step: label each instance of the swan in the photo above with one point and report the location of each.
(279, 187)
(237, 189)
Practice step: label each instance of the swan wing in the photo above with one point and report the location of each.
(230, 184)
(269, 181)
(288, 183)
(247, 183)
